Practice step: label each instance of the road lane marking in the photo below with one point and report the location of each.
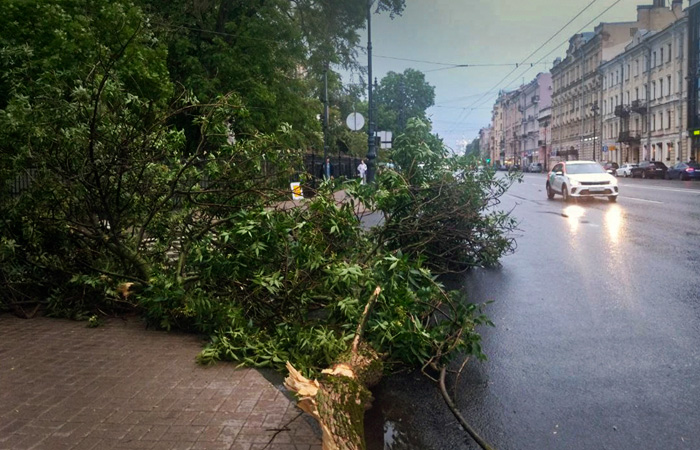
(689, 191)
(641, 199)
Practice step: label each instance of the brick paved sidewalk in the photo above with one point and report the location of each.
(66, 386)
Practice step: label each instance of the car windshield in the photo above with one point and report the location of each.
(578, 169)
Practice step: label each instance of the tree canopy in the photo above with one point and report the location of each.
(402, 96)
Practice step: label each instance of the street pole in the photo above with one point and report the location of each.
(325, 113)
(595, 117)
(371, 150)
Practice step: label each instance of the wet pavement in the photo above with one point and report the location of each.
(597, 337)
(64, 386)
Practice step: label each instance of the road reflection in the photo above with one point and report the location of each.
(614, 222)
(573, 214)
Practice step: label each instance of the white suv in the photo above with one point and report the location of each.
(574, 179)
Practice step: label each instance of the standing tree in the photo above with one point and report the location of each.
(402, 96)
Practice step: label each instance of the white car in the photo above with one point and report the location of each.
(625, 170)
(575, 179)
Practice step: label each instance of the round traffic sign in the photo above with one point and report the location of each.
(355, 121)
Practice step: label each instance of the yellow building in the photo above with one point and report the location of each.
(577, 82)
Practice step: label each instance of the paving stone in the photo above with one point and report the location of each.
(66, 386)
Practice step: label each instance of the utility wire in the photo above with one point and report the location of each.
(565, 42)
(533, 53)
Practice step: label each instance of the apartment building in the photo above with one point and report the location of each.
(485, 142)
(693, 86)
(512, 124)
(577, 84)
(644, 97)
(497, 145)
(545, 141)
(535, 95)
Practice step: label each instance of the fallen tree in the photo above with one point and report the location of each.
(340, 399)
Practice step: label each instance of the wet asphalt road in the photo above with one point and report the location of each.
(597, 337)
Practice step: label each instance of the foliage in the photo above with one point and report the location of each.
(442, 209)
(474, 148)
(401, 96)
(111, 190)
(145, 196)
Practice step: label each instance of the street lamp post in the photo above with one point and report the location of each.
(595, 119)
(371, 148)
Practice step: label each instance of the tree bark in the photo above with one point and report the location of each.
(340, 399)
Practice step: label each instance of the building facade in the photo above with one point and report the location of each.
(533, 97)
(545, 141)
(485, 142)
(497, 146)
(577, 82)
(644, 97)
(693, 86)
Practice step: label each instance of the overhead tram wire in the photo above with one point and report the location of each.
(565, 42)
(535, 52)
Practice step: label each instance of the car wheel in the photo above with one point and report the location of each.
(612, 198)
(550, 192)
(565, 194)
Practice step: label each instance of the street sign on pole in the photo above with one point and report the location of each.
(355, 121)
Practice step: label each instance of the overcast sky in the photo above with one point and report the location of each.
(480, 32)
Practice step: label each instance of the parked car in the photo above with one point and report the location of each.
(625, 170)
(611, 167)
(649, 169)
(574, 179)
(535, 168)
(684, 171)
(502, 168)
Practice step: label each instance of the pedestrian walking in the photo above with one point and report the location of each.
(327, 170)
(362, 171)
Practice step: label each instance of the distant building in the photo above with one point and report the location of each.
(485, 142)
(544, 142)
(498, 132)
(577, 84)
(534, 96)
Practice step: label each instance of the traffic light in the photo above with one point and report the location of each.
(488, 160)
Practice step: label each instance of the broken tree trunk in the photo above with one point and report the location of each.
(339, 400)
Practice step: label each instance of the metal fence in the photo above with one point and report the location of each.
(21, 182)
(343, 166)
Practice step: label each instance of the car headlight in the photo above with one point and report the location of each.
(574, 182)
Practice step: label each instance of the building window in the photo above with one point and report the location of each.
(668, 81)
(661, 56)
(661, 87)
(653, 90)
(653, 122)
(636, 93)
(668, 119)
(627, 77)
(669, 53)
(653, 60)
(636, 72)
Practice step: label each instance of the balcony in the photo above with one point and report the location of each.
(631, 138)
(640, 107)
(622, 111)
